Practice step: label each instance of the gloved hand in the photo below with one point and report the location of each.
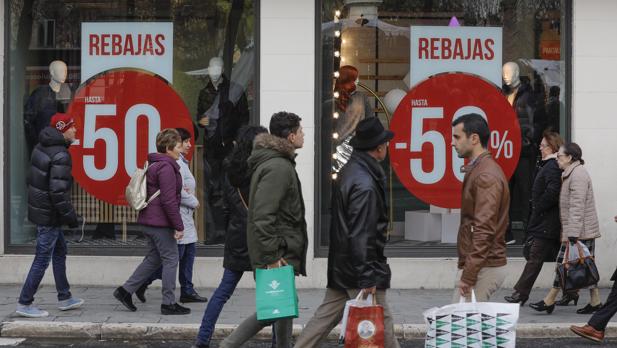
(573, 240)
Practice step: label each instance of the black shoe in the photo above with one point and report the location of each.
(141, 293)
(541, 307)
(192, 298)
(174, 309)
(200, 345)
(588, 309)
(566, 298)
(517, 298)
(125, 298)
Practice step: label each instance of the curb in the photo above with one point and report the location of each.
(154, 331)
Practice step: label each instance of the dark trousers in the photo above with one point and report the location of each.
(50, 246)
(540, 249)
(186, 255)
(224, 291)
(601, 318)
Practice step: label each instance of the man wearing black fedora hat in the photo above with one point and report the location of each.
(356, 261)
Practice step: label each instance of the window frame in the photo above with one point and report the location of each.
(76, 249)
(439, 251)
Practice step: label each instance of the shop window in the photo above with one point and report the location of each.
(372, 40)
(214, 104)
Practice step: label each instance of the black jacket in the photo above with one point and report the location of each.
(358, 233)
(236, 256)
(544, 221)
(50, 180)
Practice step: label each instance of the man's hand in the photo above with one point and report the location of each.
(277, 264)
(367, 291)
(179, 235)
(204, 121)
(464, 288)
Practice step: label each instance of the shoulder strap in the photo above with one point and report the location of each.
(242, 198)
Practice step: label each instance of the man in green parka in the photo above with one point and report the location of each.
(276, 228)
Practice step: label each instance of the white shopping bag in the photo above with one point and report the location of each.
(472, 324)
(357, 302)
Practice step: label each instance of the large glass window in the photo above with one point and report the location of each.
(367, 68)
(209, 75)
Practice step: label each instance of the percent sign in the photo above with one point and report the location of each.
(504, 147)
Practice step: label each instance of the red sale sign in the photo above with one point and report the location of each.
(118, 116)
(421, 153)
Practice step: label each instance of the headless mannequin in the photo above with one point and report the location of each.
(45, 101)
(358, 108)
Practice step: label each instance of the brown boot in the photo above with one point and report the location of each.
(588, 332)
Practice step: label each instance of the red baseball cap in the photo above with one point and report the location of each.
(62, 122)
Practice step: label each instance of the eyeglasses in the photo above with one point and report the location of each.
(561, 155)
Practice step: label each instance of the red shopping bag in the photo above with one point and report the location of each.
(365, 327)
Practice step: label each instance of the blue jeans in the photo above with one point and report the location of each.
(186, 255)
(215, 306)
(50, 246)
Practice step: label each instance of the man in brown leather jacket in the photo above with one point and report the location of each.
(484, 212)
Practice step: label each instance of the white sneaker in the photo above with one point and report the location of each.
(30, 311)
(71, 303)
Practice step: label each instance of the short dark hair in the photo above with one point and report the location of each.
(167, 139)
(474, 124)
(184, 134)
(284, 123)
(573, 150)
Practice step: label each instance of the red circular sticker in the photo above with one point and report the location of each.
(421, 151)
(118, 116)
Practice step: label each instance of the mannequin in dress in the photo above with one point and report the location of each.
(352, 106)
(45, 101)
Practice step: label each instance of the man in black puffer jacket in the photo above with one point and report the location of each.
(358, 236)
(50, 207)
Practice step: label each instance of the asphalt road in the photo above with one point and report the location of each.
(521, 343)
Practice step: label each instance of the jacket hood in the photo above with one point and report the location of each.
(50, 136)
(269, 146)
(161, 157)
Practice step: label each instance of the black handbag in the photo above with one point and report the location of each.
(578, 273)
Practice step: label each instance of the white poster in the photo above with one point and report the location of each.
(475, 50)
(112, 45)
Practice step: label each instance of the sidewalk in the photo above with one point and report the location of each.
(102, 316)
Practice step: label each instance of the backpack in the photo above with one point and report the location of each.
(136, 192)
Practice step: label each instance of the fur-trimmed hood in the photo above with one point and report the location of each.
(267, 147)
(269, 141)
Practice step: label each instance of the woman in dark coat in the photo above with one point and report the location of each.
(236, 186)
(544, 227)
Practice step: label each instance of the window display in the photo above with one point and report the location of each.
(422, 64)
(124, 70)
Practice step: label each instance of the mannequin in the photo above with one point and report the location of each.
(222, 108)
(520, 95)
(352, 106)
(45, 101)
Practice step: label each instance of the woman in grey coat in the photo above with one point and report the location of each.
(579, 220)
